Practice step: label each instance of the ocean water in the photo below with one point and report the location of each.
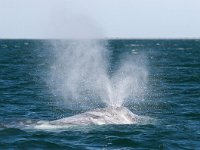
(172, 99)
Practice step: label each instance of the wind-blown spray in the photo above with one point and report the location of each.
(80, 73)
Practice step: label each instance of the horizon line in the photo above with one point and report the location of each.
(106, 38)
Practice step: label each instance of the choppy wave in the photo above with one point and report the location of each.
(173, 100)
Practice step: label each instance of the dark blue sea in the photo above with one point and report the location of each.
(173, 98)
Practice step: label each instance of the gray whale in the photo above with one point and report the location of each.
(101, 116)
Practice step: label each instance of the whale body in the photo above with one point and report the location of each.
(101, 116)
(110, 115)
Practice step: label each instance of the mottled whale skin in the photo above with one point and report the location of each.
(101, 116)
(110, 115)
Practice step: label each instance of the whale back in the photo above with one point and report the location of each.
(109, 115)
(101, 116)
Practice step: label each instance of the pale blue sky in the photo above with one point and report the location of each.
(100, 18)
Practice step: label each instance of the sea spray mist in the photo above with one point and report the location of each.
(80, 73)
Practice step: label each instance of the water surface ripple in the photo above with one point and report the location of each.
(173, 99)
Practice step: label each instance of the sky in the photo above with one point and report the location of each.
(52, 19)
